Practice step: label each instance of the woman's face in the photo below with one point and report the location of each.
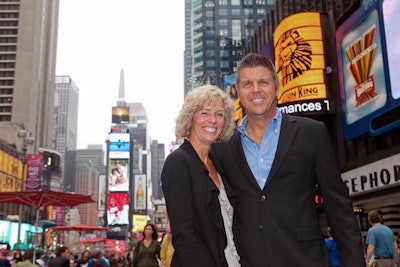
(208, 123)
(148, 231)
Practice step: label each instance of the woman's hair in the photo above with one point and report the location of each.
(28, 255)
(195, 101)
(255, 60)
(154, 235)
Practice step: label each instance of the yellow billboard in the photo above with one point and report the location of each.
(138, 222)
(299, 58)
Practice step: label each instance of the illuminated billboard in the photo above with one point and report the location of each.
(119, 145)
(120, 115)
(368, 100)
(34, 164)
(230, 89)
(300, 64)
(140, 192)
(118, 180)
(117, 209)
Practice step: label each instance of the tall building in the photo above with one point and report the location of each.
(87, 183)
(28, 44)
(94, 153)
(89, 167)
(157, 163)
(216, 33)
(66, 127)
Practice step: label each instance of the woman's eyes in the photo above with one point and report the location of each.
(207, 113)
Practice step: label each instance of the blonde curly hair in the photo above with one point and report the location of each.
(195, 101)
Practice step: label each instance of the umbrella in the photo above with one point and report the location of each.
(93, 240)
(79, 227)
(38, 198)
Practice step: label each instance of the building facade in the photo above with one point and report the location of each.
(66, 127)
(216, 33)
(28, 46)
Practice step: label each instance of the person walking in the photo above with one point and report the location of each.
(381, 242)
(167, 249)
(274, 163)
(196, 194)
(147, 250)
(61, 259)
(331, 245)
(27, 260)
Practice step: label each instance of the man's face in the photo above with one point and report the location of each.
(65, 254)
(257, 91)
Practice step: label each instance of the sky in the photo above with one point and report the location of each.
(98, 38)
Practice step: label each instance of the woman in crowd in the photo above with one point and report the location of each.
(147, 250)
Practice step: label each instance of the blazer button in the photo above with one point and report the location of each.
(260, 226)
(263, 197)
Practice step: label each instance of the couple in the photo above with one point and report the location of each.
(248, 199)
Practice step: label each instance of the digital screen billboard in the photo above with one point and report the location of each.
(368, 100)
(300, 64)
(120, 115)
(230, 88)
(117, 209)
(140, 192)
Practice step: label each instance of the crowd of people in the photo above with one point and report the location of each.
(62, 257)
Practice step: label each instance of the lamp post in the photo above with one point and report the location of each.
(27, 139)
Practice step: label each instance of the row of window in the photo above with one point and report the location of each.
(5, 100)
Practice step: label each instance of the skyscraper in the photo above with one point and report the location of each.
(216, 33)
(66, 127)
(28, 44)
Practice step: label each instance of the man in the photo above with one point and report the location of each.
(4, 262)
(61, 259)
(381, 242)
(274, 162)
(97, 259)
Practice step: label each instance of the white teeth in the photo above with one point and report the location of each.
(209, 129)
(257, 100)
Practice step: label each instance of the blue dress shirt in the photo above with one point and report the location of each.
(260, 158)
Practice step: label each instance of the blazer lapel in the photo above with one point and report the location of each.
(286, 138)
(240, 158)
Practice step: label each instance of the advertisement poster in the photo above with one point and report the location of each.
(300, 64)
(369, 97)
(117, 209)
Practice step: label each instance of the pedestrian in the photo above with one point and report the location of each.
(381, 242)
(196, 195)
(4, 262)
(97, 259)
(167, 249)
(147, 250)
(331, 245)
(397, 257)
(61, 259)
(82, 262)
(27, 260)
(274, 163)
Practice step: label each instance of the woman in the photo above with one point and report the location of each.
(82, 262)
(27, 260)
(196, 197)
(147, 250)
(167, 249)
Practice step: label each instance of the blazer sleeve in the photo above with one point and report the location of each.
(337, 203)
(177, 188)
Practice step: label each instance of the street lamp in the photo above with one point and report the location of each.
(27, 140)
